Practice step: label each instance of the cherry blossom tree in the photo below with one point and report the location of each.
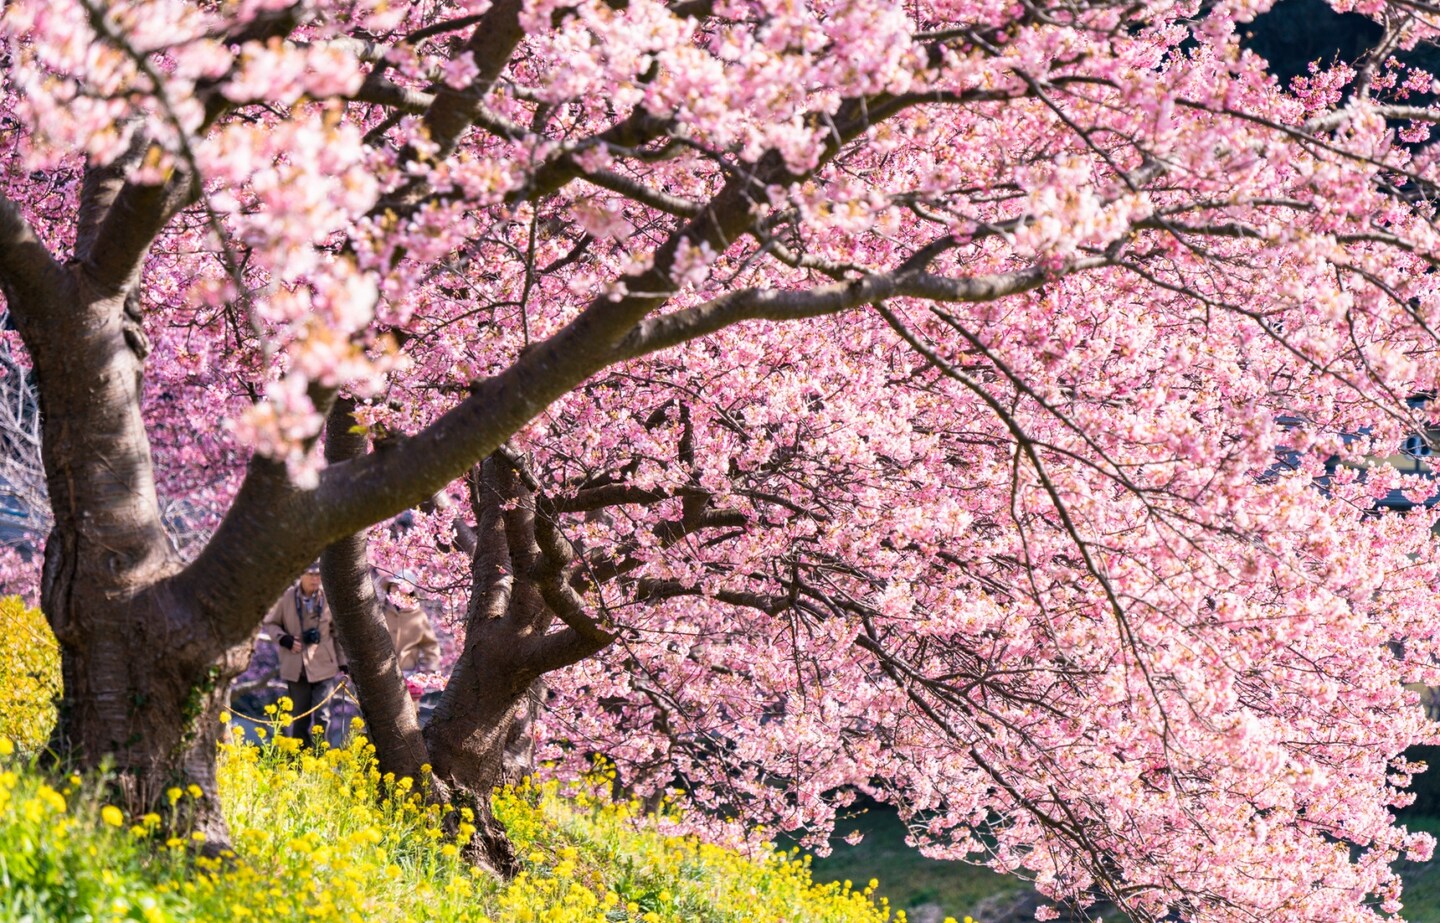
(932, 400)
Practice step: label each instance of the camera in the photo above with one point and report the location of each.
(310, 636)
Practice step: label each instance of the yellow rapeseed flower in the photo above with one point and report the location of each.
(51, 799)
(112, 815)
(367, 857)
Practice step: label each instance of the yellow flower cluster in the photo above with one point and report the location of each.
(589, 859)
(323, 837)
(29, 674)
(326, 837)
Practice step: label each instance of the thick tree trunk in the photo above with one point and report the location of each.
(480, 736)
(144, 679)
(152, 717)
(467, 738)
(469, 732)
(519, 756)
(464, 743)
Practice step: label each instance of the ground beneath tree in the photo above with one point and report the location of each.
(929, 891)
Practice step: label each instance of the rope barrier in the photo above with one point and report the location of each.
(344, 684)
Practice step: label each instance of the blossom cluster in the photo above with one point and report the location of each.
(1063, 538)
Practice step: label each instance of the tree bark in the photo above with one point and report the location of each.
(144, 680)
(467, 750)
(374, 667)
(465, 742)
(468, 733)
(479, 737)
(519, 756)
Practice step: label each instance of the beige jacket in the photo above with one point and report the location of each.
(321, 661)
(414, 638)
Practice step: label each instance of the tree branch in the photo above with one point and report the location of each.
(678, 327)
(139, 211)
(101, 186)
(355, 493)
(492, 573)
(1332, 120)
(670, 589)
(557, 555)
(259, 548)
(27, 270)
(381, 92)
(135, 218)
(595, 498)
(635, 190)
(491, 44)
(268, 24)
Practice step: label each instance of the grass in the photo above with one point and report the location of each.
(1422, 879)
(907, 879)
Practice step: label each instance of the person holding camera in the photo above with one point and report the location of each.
(310, 655)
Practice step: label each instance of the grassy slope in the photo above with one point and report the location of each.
(328, 840)
(906, 878)
(909, 880)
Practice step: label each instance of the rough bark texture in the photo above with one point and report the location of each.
(468, 733)
(466, 740)
(480, 734)
(147, 655)
(149, 647)
(374, 667)
(144, 679)
(519, 756)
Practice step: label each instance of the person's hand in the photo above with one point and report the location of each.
(289, 642)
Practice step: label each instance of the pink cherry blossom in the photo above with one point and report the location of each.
(985, 410)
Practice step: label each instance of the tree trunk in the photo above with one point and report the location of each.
(467, 738)
(464, 743)
(389, 712)
(480, 736)
(133, 706)
(471, 728)
(144, 679)
(519, 756)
